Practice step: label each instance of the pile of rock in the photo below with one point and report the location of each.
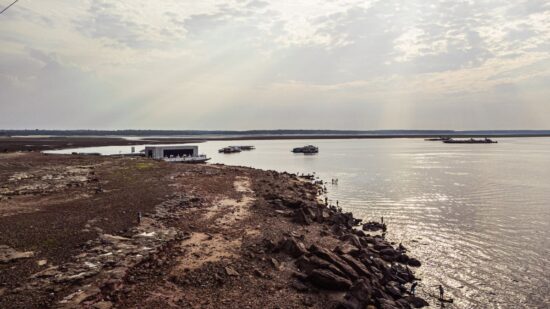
(367, 268)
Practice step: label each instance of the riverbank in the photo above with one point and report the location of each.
(71, 236)
(41, 143)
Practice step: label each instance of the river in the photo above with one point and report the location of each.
(476, 215)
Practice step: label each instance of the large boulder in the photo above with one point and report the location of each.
(414, 262)
(335, 260)
(292, 247)
(302, 217)
(328, 280)
(416, 302)
(356, 265)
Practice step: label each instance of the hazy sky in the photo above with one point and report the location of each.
(174, 64)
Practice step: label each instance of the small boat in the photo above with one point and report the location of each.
(187, 159)
(470, 141)
(441, 138)
(245, 148)
(230, 149)
(306, 149)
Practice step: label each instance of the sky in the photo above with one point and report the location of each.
(286, 64)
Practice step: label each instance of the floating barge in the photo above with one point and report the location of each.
(230, 149)
(470, 141)
(245, 148)
(306, 149)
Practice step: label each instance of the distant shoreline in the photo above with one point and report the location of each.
(339, 136)
(40, 143)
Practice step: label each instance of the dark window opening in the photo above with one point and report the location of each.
(178, 152)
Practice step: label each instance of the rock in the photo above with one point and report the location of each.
(356, 265)
(416, 302)
(300, 276)
(389, 251)
(348, 303)
(293, 247)
(259, 274)
(301, 217)
(344, 219)
(346, 249)
(8, 254)
(113, 239)
(305, 264)
(328, 280)
(374, 226)
(231, 272)
(414, 262)
(335, 260)
(299, 286)
(362, 291)
(352, 239)
(275, 263)
(48, 272)
(294, 204)
(403, 258)
(393, 288)
(388, 304)
(76, 277)
(103, 305)
(403, 303)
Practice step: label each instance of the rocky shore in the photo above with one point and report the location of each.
(98, 232)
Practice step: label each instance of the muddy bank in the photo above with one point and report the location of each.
(31, 143)
(97, 232)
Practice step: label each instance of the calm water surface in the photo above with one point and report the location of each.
(477, 216)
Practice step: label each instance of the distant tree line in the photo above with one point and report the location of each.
(264, 132)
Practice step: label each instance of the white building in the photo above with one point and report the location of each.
(162, 152)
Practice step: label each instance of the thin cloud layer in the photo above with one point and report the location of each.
(280, 64)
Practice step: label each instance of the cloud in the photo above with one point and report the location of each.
(366, 64)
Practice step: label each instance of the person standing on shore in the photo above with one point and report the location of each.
(413, 288)
(441, 292)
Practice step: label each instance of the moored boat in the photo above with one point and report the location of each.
(230, 149)
(470, 141)
(306, 149)
(245, 147)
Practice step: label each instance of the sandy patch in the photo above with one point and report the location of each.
(202, 248)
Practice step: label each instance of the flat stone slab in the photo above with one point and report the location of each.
(8, 254)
